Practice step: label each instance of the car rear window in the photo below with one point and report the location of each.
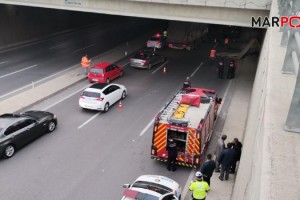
(96, 70)
(152, 186)
(141, 56)
(154, 39)
(91, 94)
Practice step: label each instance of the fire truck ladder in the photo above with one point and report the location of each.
(169, 110)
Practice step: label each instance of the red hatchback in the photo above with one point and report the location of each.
(104, 72)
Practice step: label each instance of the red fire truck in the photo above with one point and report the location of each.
(188, 118)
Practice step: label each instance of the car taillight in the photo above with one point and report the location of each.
(131, 59)
(170, 44)
(184, 45)
(82, 97)
(144, 61)
(158, 43)
(99, 99)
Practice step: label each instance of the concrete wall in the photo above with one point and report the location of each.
(22, 23)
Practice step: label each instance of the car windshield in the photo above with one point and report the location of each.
(96, 70)
(154, 39)
(91, 94)
(152, 186)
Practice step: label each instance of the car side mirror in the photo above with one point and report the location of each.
(219, 100)
(126, 185)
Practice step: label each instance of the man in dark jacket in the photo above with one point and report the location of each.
(237, 147)
(227, 159)
(207, 168)
(172, 154)
(221, 69)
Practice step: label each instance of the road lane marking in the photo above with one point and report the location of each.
(126, 64)
(34, 83)
(147, 127)
(90, 119)
(196, 69)
(4, 62)
(57, 46)
(84, 48)
(54, 104)
(160, 67)
(18, 71)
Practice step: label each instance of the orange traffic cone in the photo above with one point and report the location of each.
(120, 106)
(165, 70)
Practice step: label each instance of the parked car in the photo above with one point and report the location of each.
(100, 96)
(146, 59)
(104, 72)
(157, 41)
(152, 187)
(17, 130)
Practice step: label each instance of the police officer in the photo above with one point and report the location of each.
(172, 154)
(231, 70)
(186, 83)
(220, 69)
(199, 187)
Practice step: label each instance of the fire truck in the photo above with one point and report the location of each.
(188, 119)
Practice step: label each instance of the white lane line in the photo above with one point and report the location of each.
(159, 67)
(84, 48)
(54, 104)
(4, 62)
(196, 70)
(147, 127)
(57, 46)
(90, 119)
(18, 71)
(188, 182)
(126, 64)
(36, 82)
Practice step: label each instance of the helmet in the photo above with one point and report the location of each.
(198, 174)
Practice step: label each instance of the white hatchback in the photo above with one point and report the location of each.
(152, 187)
(100, 96)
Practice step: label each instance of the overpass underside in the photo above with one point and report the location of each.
(149, 9)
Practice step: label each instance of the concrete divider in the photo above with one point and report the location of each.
(27, 98)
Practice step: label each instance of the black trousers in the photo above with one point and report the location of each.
(220, 73)
(171, 163)
(224, 171)
(206, 179)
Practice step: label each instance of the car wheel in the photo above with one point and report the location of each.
(123, 95)
(107, 81)
(9, 151)
(51, 126)
(106, 107)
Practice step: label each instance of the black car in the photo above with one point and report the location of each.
(17, 130)
(146, 58)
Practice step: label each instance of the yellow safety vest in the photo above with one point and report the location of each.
(199, 189)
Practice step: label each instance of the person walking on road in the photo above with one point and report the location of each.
(220, 69)
(207, 168)
(199, 187)
(219, 150)
(85, 63)
(172, 154)
(227, 159)
(237, 147)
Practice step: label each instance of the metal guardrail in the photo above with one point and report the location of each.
(291, 40)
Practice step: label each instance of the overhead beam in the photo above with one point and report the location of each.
(204, 14)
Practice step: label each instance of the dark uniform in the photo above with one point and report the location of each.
(172, 154)
(221, 69)
(186, 84)
(231, 70)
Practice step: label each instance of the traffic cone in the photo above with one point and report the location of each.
(165, 70)
(120, 106)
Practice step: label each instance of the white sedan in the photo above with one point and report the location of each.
(152, 187)
(100, 96)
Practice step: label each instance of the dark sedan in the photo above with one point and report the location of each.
(17, 130)
(146, 59)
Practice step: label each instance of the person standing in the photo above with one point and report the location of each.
(237, 147)
(207, 168)
(199, 187)
(219, 150)
(172, 154)
(220, 69)
(186, 83)
(231, 70)
(85, 63)
(227, 158)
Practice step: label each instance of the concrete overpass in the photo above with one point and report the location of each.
(238, 12)
(270, 164)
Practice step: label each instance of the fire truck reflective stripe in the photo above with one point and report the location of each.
(178, 163)
(158, 136)
(161, 144)
(161, 131)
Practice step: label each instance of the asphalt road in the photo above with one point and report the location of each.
(91, 154)
(36, 62)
